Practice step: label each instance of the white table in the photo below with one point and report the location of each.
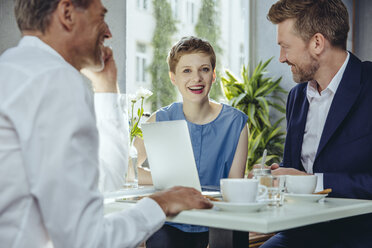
(229, 229)
(141, 190)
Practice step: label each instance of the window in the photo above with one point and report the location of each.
(149, 37)
(174, 5)
(241, 55)
(141, 62)
(190, 12)
(142, 4)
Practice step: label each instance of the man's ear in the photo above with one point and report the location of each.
(317, 43)
(172, 77)
(66, 14)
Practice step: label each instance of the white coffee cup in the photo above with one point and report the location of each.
(301, 184)
(242, 190)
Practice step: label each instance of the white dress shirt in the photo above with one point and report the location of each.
(319, 104)
(49, 159)
(112, 124)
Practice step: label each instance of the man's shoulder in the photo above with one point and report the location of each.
(299, 87)
(367, 67)
(298, 90)
(25, 69)
(355, 62)
(31, 61)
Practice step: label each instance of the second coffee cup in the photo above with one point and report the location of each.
(242, 190)
(297, 184)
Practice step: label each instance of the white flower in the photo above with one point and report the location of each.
(143, 93)
(133, 98)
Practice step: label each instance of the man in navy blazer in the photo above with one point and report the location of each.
(329, 117)
(344, 152)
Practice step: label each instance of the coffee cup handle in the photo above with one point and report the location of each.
(262, 192)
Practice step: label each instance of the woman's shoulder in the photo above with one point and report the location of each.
(173, 107)
(230, 111)
(170, 112)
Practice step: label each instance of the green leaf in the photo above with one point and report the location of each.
(273, 133)
(264, 105)
(279, 98)
(255, 94)
(239, 98)
(264, 118)
(278, 122)
(278, 107)
(255, 143)
(251, 113)
(262, 91)
(268, 158)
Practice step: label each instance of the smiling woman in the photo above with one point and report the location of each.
(162, 23)
(218, 132)
(194, 76)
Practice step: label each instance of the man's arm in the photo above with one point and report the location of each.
(62, 163)
(112, 124)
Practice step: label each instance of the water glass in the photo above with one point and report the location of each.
(131, 176)
(275, 185)
(275, 191)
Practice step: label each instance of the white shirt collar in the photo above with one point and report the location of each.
(29, 40)
(312, 86)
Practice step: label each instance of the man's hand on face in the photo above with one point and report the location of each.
(176, 199)
(104, 81)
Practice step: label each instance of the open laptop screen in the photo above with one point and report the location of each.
(170, 155)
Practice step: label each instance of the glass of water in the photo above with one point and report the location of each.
(275, 185)
(275, 191)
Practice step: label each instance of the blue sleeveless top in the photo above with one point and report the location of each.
(214, 145)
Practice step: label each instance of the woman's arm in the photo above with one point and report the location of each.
(240, 158)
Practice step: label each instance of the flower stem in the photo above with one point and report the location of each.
(132, 124)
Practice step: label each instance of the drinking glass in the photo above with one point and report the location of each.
(131, 176)
(275, 185)
(275, 191)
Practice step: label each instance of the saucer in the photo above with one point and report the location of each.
(239, 206)
(290, 197)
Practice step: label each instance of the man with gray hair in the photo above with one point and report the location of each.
(49, 139)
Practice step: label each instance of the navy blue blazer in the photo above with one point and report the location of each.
(344, 154)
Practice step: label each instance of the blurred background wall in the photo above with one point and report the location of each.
(10, 35)
(262, 34)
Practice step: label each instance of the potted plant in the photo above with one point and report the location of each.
(254, 94)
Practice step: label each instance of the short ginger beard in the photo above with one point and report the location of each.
(306, 72)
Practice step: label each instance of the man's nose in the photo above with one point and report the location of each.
(282, 56)
(108, 34)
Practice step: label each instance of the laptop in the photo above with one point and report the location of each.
(171, 157)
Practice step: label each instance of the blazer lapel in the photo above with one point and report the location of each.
(346, 95)
(298, 126)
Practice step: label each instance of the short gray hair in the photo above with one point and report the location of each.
(34, 15)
